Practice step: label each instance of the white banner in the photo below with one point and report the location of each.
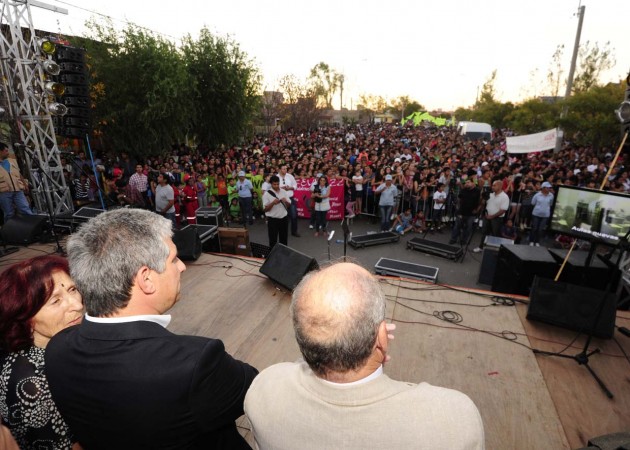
(532, 142)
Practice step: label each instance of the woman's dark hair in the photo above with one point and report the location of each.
(24, 289)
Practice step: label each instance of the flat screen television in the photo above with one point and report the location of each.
(598, 216)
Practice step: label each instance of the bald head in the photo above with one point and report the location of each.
(336, 314)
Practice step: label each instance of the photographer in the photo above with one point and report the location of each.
(321, 196)
(469, 201)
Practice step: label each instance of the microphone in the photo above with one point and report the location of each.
(330, 236)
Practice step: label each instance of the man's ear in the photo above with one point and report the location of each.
(381, 337)
(145, 280)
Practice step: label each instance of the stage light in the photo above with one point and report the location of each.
(46, 45)
(57, 109)
(51, 67)
(623, 113)
(53, 88)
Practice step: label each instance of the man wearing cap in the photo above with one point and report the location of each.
(541, 202)
(245, 188)
(388, 194)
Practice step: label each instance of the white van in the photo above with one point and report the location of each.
(475, 130)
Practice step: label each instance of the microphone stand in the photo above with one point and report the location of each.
(330, 236)
(346, 236)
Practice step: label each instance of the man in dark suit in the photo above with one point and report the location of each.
(120, 379)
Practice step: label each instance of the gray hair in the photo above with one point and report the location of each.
(336, 315)
(107, 252)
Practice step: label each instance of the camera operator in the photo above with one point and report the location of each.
(469, 204)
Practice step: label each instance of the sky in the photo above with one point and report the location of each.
(437, 53)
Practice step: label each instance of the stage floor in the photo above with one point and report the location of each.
(527, 401)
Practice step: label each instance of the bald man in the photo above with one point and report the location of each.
(339, 397)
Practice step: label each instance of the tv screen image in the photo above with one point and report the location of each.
(598, 216)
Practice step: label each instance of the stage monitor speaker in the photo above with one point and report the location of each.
(286, 266)
(488, 266)
(518, 265)
(23, 230)
(188, 243)
(571, 306)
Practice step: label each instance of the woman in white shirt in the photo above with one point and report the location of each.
(321, 196)
(357, 179)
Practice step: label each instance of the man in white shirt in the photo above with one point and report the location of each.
(165, 199)
(276, 204)
(496, 206)
(120, 379)
(339, 397)
(288, 184)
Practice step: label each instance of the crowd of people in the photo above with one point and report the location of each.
(386, 169)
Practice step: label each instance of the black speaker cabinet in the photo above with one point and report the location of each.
(571, 306)
(188, 243)
(518, 265)
(23, 230)
(596, 276)
(488, 265)
(286, 266)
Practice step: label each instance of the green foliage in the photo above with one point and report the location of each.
(591, 119)
(534, 116)
(148, 94)
(226, 89)
(141, 89)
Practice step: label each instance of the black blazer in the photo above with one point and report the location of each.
(138, 386)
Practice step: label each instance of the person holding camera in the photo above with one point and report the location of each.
(321, 196)
(469, 200)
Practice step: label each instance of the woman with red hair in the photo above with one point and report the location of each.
(37, 300)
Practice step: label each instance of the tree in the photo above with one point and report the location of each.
(226, 90)
(533, 116)
(403, 106)
(141, 89)
(271, 109)
(488, 93)
(300, 107)
(371, 105)
(592, 61)
(591, 120)
(554, 73)
(325, 82)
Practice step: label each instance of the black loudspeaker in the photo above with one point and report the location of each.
(188, 244)
(518, 265)
(488, 265)
(23, 230)
(286, 266)
(571, 306)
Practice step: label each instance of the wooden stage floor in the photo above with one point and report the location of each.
(527, 401)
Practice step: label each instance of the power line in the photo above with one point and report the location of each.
(114, 18)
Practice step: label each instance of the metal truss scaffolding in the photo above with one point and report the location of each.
(25, 81)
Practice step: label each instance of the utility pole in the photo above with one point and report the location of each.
(23, 64)
(567, 94)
